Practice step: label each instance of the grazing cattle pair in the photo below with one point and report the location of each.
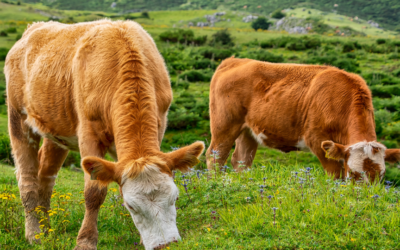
(294, 107)
(103, 87)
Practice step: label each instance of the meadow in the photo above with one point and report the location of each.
(285, 201)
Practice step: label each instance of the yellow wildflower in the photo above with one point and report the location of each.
(225, 233)
(51, 230)
(69, 194)
(41, 226)
(51, 214)
(208, 229)
(67, 197)
(353, 239)
(37, 236)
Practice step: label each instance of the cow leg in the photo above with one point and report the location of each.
(95, 195)
(222, 139)
(25, 147)
(51, 158)
(245, 150)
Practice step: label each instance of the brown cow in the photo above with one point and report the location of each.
(295, 107)
(95, 87)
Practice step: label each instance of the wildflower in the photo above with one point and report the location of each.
(274, 208)
(65, 221)
(353, 239)
(261, 190)
(51, 230)
(67, 197)
(215, 152)
(41, 226)
(69, 194)
(208, 229)
(37, 236)
(174, 148)
(375, 196)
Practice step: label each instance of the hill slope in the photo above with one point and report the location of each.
(384, 12)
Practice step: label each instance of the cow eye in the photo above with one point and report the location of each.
(131, 208)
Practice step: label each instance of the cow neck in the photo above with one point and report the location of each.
(361, 127)
(134, 113)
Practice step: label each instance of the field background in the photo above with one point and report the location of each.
(314, 212)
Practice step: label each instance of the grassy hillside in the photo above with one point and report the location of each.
(382, 11)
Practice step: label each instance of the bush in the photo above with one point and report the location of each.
(11, 30)
(5, 149)
(278, 14)
(181, 118)
(348, 47)
(204, 64)
(182, 36)
(73, 159)
(382, 118)
(385, 91)
(180, 84)
(330, 59)
(298, 45)
(381, 41)
(260, 23)
(223, 37)
(263, 55)
(390, 104)
(394, 56)
(19, 36)
(197, 75)
(145, 14)
(3, 33)
(3, 53)
(216, 54)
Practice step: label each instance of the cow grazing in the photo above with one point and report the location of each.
(95, 87)
(295, 107)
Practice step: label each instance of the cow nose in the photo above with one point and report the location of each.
(164, 245)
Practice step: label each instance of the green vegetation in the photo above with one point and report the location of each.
(271, 206)
(260, 23)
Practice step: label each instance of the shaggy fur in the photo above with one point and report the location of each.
(290, 107)
(93, 87)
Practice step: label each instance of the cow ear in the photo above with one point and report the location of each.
(100, 170)
(392, 155)
(334, 151)
(186, 157)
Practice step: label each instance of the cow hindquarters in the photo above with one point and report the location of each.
(51, 158)
(245, 150)
(25, 147)
(95, 195)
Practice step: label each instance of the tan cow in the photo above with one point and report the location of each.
(95, 87)
(295, 107)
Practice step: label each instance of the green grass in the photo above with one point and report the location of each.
(3, 124)
(313, 212)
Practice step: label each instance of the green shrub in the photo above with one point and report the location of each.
(182, 36)
(197, 75)
(145, 14)
(180, 84)
(3, 53)
(180, 65)
(278, 14)
(348, 47)
(385, 91)
(216, 54)
(223, 37)
(3, 33)
(262, 55)
(260, 23)
(18, 37)
(396, 73)
(390, 104)
(11, 30)
(267, 44)
(204, 64)
(330, 59)
(5, 149)
(381, 41)
(394, 56)
(298, 45)
(382, 118)
(181, 118)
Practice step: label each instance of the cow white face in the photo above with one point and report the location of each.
(148, 189)
(363, 160)
(150, 199)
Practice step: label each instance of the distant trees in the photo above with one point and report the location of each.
(278, 14)
(260, 23)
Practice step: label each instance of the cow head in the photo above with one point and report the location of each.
(363, 160)
(148, 189)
